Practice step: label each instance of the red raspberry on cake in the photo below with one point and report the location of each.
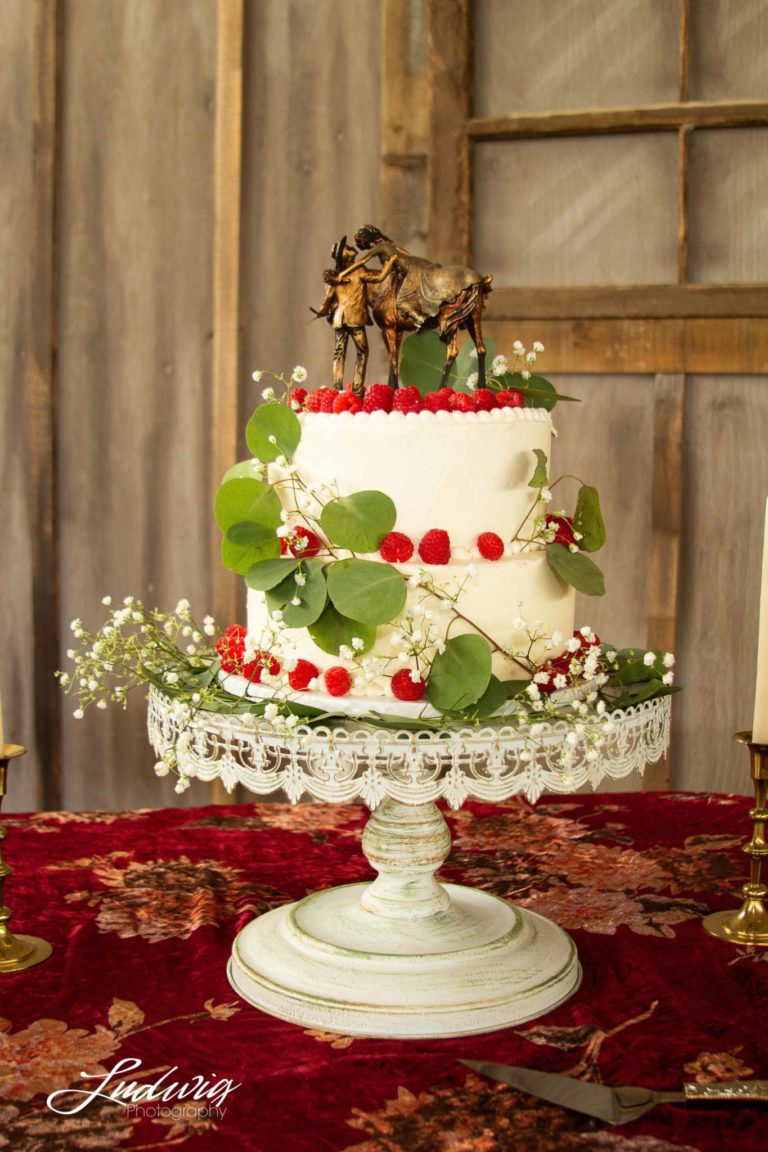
(509, 398)
(483, 400)
(378, 398)
(435, 547)
(490, 546)
(337, 681)
(404, 687)
(461, 402)
(439, 401)
(299, 677)
(297, 398)
(396, 548)
(347, 402)
(231, 646)
(303, 543)
(262, 662)
(563, 526)
(407, 400)
(322, 400)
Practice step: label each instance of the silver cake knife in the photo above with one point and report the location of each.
(613, 1105)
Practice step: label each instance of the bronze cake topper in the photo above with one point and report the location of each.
(407, 294)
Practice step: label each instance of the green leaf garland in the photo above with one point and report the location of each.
(539, 478)
(460, 675)
(247, 544)
(366, 590)
(269, 573)
(588, 519)
(331, 630)
(273, 430)
(312, 595)
(359, 522)
(576, 569)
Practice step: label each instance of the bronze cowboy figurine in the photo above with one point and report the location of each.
(411, 294)
(346, 306)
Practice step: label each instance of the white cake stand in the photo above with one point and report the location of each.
(405, 955)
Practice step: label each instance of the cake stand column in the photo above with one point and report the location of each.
(404, 956)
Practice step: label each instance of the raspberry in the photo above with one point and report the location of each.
(396, 548)
(337, 681)
(558, 667)
(405, 688)
(563, 526)
(461, 402)
(407, 400)
(378, 398)
(347, 402)
(230, 646)
(483, 400)
(490, 545)
(262, 661)
(300, 676)
(297, 399)
(435, 547)
(592, 641)
(303, 542)
(509, 398)
(322, 400)
(439, 401)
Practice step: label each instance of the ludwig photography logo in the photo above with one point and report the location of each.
(198, 1098)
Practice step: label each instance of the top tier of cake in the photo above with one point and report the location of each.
(465, 472)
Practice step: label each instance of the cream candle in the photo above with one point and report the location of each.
(760, 721)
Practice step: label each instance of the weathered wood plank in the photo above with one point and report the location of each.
(225, 383)
(652, 301)
(596, 121)
(405, 107)
(17, 99)
(666, 533)
(41, 386)
(625, 345)
(449, 216)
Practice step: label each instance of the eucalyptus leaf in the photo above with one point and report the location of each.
(246, 544)
(588, 519)
(245, 470)
(422, 361)
(313, 596)
(269, 573)
(536, 391)
(461, 674)
(331, 630)
(494, 698)
(273, 430)
(466, 363)
(576, 569)
(359, 522)
(245, 500)
(539, 478)
(367, 590)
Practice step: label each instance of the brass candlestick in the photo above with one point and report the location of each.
(749, 924)
(16, 952)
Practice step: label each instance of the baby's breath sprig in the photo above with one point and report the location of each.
(137, 646)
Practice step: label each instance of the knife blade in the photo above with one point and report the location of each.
(613, 1105)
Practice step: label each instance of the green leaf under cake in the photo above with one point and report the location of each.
(312, 595)
(576, 569)
(273, 430)
(359, 522)
(461, 674)
(332, 630)
(588, 519)
(367, 590)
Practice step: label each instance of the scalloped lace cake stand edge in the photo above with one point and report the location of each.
(405, 955)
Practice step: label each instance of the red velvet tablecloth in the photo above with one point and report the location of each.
(142, 907)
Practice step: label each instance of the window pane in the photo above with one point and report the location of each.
(728, 206)
(541, 55)
(729, 50)
(579, 211)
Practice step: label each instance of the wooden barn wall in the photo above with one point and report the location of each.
(16, 613)
(135, 289)
(136, 256)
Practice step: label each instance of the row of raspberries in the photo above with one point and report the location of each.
(435, 547)
(382, 398)
(304, 674)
